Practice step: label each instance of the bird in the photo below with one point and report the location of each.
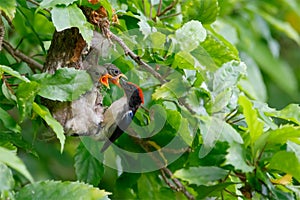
(120, 113)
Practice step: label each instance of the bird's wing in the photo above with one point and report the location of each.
(119, 130)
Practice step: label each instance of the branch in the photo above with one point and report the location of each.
(142, 64)
(177, 186)
(2, 32)
(16, 53)
(167, 9)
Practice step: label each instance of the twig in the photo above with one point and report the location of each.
(135, 57)
(178, 184)
(159, 7)
(167, 9)
(143, 65)
(16, 53)
(2, 32)
(169, 16)
(163, 174)
(37, 4)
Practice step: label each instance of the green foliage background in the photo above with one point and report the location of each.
(233, 62)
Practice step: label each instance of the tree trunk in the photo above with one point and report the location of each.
(82, 116)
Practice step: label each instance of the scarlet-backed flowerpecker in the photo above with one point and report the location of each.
(119, 115)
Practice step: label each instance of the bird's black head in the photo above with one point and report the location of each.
(133, 93)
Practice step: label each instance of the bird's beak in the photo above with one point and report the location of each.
(104, 80)
(115, 80)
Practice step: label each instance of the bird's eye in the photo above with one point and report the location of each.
(116, 71)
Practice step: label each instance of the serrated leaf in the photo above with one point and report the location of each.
(255, 126)
(45, 114)
(221, 100)
(214, 129)
(173, 89)
(205, 191)
(201, 175)
(13, 73)
(17, 140)
(71, 16)
(88, 169)
(9, 122)
(9, 8)
(67, 84)
(205, 11)
(286, 162)
(12, 160)
(184, 60)
(290, 113)
(237, 158)
(157, 40)
(52, 3)
(52, 190)
(7, 180)
(278, 136)
(219, 49)
(227, 76)
(26, 93)
(190, 35)
(149, 188)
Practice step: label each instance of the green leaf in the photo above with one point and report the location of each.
(290, 113)
(52, 3)
(172, 90)
(71, 16)
(88, 169)
(279, 71)
(278, 136)
(60, 190)
(227, 76)
(45, 114)
(214, 129)
(255, 126)
(17, 140)
(13, 73)
(26, 93)
(67, 84)
(9, 8)
(157, 40)
(12, 160)
(201, 175)
(205, 191)
(286, 162)
(149, 188)
(185, 132)
(282, 26)
(7, 180)
(184, 60)
(9, 122)
(205, 11)
(253, 85)
(219, 49)
(237, 158)
(293, 147)
(221, 100)
(190, 35)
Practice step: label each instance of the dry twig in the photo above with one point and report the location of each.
(16, 53)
